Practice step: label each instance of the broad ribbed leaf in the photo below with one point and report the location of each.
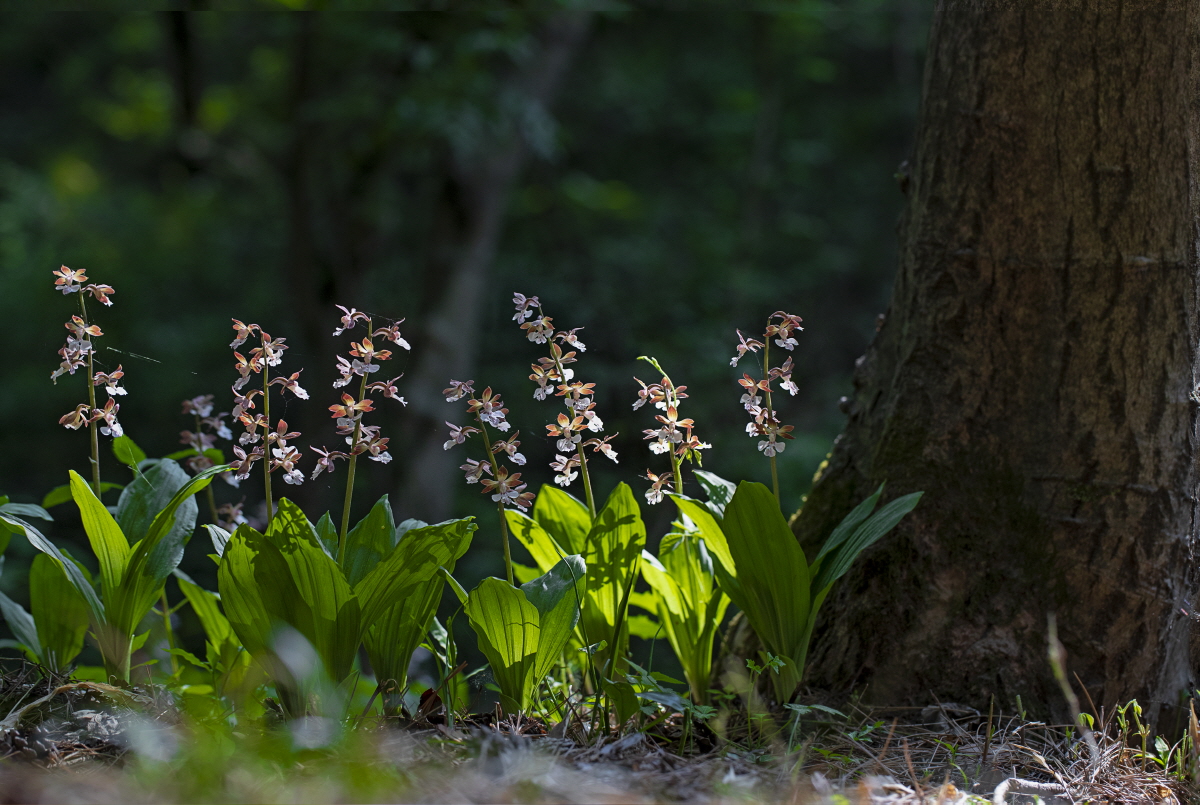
(849, 523)
(557, 596)
(62, 494)
(565, 518)
(148, 494)
(719, 491)
(614, 548)
(159, 552)
(21, 624)
(25, 510)
(369, 541)
(507, 626)
(290, 519)
(219, 537)
(258, 592)
(335, 612)
(269, 583)
(838, 561)
(61, 613)
(772, 570)
(393, 635)
(76, 576)
(545, 551)
(222, 646)
(127, 452)
(413, 563)
(327, 535)
(711, 529)
(108, 542)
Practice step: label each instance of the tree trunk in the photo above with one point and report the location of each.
(1033, 372)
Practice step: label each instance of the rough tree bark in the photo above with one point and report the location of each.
(1033, 371)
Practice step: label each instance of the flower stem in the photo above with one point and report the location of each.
(767, 376)
(583, 470)
(587, 482)
(94, 425)
(487, 445)
(362, 392)
(267, 437)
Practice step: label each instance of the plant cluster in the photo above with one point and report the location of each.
(301, 598)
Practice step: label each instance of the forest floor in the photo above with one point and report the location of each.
(87, 743)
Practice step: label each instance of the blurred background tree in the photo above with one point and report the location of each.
(659, 173)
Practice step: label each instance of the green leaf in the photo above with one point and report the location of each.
(835, 564)
(565, 518)
(327, 535)
(159, 552)
(541, 545)
(412, 564)
(62, 494)
(719, 491)
(21, 624)
(614, 547)
(107, 540)
(77, 576)
(219, 537)
(457, 588)
(558, 597)
(506, 624)
(710, 527)
(772, 569)
(191, 658)
(127, 452)
(148, 494)
(369, 541)
(208, 610)
(25, 510)
(850, 522)
(286, 579)
(335, 611)
(393, 635)
(60, 611)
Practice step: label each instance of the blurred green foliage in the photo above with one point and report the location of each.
(703, 165)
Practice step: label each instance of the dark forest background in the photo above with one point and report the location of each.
(659, 173)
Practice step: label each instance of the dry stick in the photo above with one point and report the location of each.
(94, 425)
(911, 772)
(487, 446)
(886, 742)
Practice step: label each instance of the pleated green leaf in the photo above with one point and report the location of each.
(565, 518)
(73, 572)
(412, 564)
(21, 624)
(546, 552)
(60, 612)
(835, 562)
(369, 541)
(507, 626)
(557, 596)
(106, 538)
